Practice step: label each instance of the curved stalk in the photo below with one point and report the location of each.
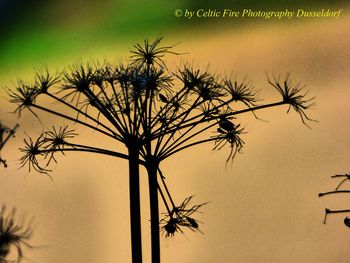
(334, 192)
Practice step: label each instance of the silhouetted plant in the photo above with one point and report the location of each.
(180, 216)
(337, 190)
(5, 134)
(152, 111)
(14, 235)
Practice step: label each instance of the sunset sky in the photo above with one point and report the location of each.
(262, 208)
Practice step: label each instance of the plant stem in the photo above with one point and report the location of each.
(135, 213)
(328, 211)
(11, 133)
(117, 137)
(334, 192)
(152, 168)
(79, 111)
(192, 121)
(186, 146)
(166, 189)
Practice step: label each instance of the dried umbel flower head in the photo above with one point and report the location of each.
(45, 147)
(171, 226)
(150, 53)
(228, 132)
(56, 139)
(14, 235)
(44, 80)
(293, 95)
(23, 96)
(31, 151)
(181, 216)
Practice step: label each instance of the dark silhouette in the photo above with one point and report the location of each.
(5, 134)
(153, 113)
(14, 234)
(345, 178)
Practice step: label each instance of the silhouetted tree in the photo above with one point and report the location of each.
(154, 113)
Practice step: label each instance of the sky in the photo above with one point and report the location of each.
(262, 208)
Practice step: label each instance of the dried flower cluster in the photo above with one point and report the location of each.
(181, 216)
(152, 112)
(14, 234)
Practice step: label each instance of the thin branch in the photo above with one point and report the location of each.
(163, 198)
(166, 188)
(78, 121)
(328, 211)
(188, 123)
(334, 192)
(186, 146)
(90, 149)
(81, 112)
(187, 112)
(11, 133)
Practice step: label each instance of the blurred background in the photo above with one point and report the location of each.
(57, 32)
(263, 208)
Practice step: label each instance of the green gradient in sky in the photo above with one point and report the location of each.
(40, 39)
(66, 28)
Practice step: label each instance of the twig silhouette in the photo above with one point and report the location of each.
(5, 134)
(346, 177)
